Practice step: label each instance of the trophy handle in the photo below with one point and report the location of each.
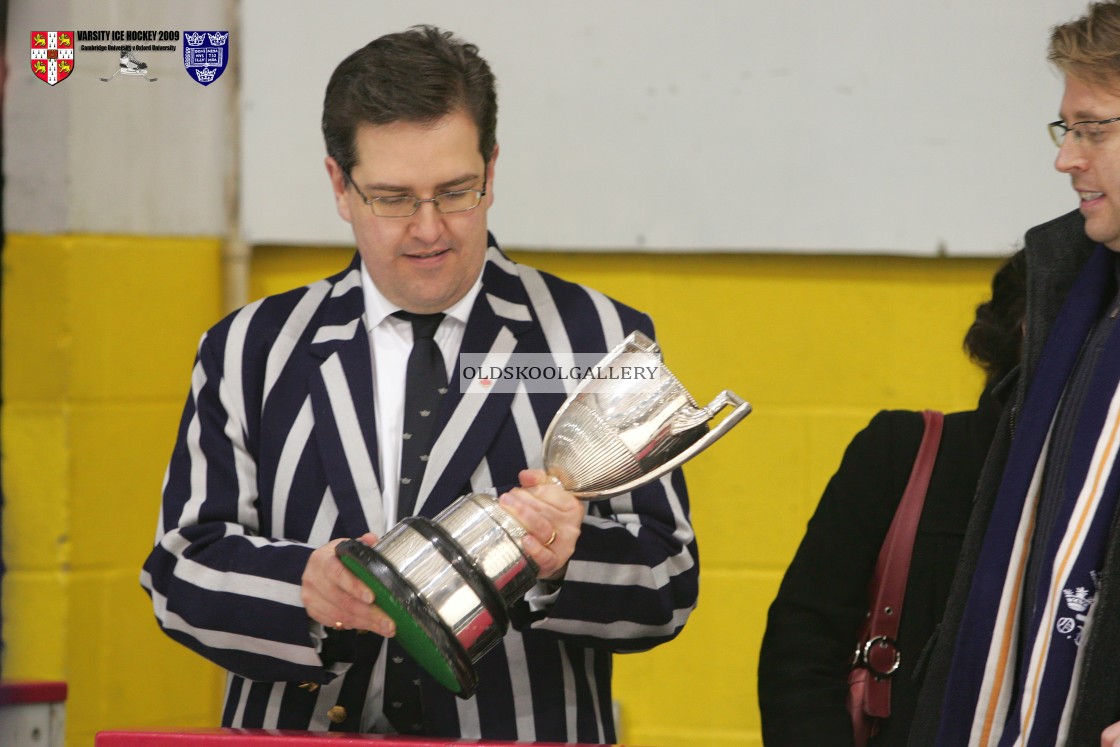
(688, 418)
(701, 415)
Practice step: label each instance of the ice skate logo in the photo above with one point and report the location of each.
(52, 55)
(129, 65)
(206, 54)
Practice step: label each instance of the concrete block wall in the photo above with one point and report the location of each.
(817, 345)
(98, 339)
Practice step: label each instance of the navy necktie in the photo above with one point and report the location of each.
(425, 385)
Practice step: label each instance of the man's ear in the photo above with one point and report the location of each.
(339, 185)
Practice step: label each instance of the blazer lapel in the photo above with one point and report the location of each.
(470, 421)
(342, 404)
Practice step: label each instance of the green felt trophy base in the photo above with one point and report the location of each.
(419, 630)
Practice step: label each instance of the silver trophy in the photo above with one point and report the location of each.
(448, 582)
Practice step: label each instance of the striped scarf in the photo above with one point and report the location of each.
(1015, 667)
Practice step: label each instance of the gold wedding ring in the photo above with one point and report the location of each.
(552, 538)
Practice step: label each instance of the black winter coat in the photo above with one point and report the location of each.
(813, 623)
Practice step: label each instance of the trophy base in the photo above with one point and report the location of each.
(447, 583)
(448, 613)
(419, 630)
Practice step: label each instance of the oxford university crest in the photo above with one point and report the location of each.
(205, 54)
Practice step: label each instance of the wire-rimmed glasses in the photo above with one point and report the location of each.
(1089, 132)
(405, 206)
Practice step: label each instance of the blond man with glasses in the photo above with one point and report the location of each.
(1028, 652)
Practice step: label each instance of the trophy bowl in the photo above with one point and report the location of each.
(448, 582)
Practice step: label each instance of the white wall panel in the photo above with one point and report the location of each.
(866, 126)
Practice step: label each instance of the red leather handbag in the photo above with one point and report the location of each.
(877, 657)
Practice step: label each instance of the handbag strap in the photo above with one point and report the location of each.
(888, 585)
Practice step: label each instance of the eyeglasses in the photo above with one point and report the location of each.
(1089, 133)
(405, 206)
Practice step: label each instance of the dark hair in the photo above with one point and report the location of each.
(995, 338)
(419, 75)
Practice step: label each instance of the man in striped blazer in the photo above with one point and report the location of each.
(290, 442)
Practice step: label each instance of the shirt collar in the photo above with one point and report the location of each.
(378, 307)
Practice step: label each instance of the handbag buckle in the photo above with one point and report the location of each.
(863, 656)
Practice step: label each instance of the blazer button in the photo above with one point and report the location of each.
(337, 714)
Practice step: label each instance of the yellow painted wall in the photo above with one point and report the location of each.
(99, 334)
(98, 338)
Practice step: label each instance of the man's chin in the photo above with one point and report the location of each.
(1102, 233)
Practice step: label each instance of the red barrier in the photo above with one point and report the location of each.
(26, 693)
(274, 738)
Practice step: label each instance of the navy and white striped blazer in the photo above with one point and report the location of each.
(276, 456)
